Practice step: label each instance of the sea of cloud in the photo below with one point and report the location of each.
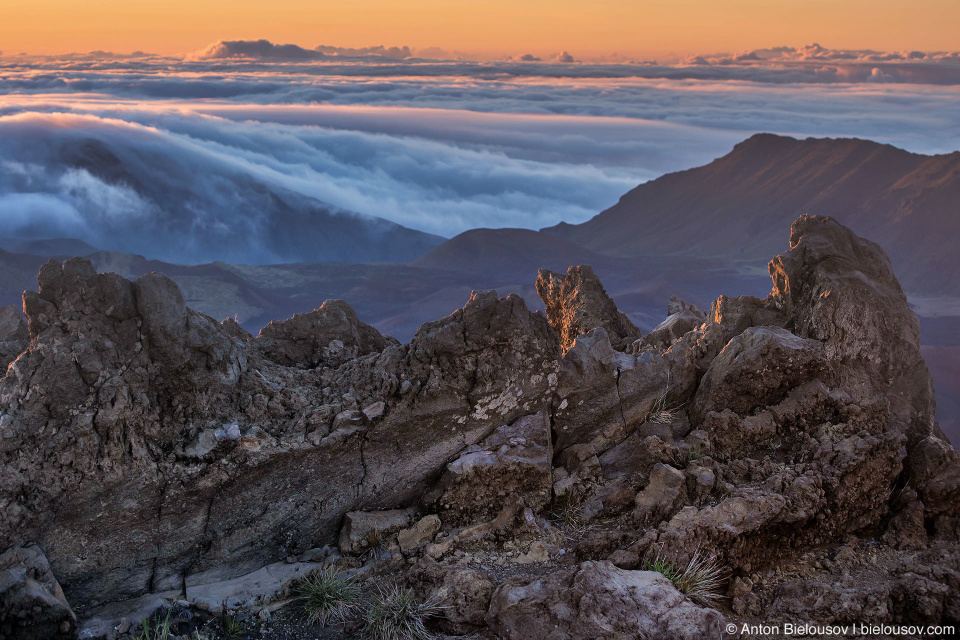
(103, 147)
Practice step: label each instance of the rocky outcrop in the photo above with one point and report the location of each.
(576, 303)
(328, 336)
(841, 290)
(124, 394)
(533, 463)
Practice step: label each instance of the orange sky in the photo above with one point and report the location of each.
(583, 27)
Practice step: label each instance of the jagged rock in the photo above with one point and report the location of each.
(516, 459)
(359, 527)
(577, 303)
(841, 290)
(682, 317)
(757, 368)
(676, 305)
(32, 605)
(736, 315)
(328, 336)
(598, 600)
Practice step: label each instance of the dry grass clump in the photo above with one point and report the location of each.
(396, 614)
(701, 579)
(329, 596)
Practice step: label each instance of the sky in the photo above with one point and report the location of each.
(633, 28)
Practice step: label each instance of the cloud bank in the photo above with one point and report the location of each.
(194, 159)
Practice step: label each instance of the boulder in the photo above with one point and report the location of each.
(599, 600)
(577, 303)
(32, 605)
(419, 534)
(757, 368)
(328, 336)
(662, 496)
(683, 317)
(360, 527)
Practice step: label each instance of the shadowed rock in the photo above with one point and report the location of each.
(328, 336)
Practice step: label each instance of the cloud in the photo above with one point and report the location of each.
(256, 49)
(564, 58)
(197, 159)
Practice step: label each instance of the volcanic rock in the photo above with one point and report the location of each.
(598, 600)
(577, 303)
(328, 336)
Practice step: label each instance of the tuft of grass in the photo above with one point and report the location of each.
(328, 596)
(156, 628)
(664, 409)
(690, 454)
(376, 540)
(397, 614)
(701, 579)
(229, 624)
(566, 508)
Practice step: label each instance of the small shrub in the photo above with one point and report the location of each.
(328, 596)
(396, 614)
(700, 580)
(375, 540)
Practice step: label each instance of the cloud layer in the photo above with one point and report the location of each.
(205, 152)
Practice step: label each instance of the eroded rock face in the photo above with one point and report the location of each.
(577, 303)
(14, 337)
(599, 600)
(215, 461)
(757, 368)
(330, 336)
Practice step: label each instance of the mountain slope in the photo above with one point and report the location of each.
(734, 206)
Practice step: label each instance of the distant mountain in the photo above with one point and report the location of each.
(737, 206)
(51, 247)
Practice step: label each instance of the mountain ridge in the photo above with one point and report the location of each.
(900, 199)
